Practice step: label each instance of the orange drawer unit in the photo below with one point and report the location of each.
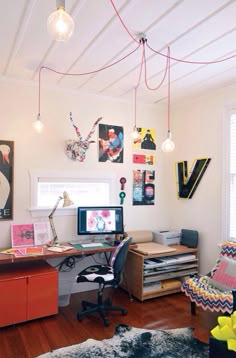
(27, 291)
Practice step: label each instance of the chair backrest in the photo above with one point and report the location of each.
(118, 258)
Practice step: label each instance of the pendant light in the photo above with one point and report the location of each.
(38, 124)
(168, 145)
(60, 24)
(135, 134)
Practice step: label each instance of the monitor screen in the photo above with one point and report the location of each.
(100, 220)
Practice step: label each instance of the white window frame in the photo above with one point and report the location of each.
(226, 174)
(36, 175)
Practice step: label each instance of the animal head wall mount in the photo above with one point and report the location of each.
(76, 149)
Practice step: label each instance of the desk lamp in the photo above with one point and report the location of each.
(67, 202)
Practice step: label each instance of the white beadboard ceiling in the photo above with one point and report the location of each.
(195, 30)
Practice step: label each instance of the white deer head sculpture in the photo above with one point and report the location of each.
(76, 149)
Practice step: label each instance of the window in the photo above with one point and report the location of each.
(84, 189)
(229, 178)
(232, 199)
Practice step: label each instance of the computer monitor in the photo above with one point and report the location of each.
(100, 220)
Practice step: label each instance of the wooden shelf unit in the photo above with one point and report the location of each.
(145, 283)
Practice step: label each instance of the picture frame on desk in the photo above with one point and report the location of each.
(6, 179)
(22, 235)
(42, 233)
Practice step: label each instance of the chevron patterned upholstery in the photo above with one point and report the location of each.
(203, 293)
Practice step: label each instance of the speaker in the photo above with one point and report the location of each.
(189, 238)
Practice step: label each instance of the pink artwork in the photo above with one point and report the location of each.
(41, 233)
(101, 220)
(22, 235)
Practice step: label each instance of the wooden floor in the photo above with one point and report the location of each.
(30, 339)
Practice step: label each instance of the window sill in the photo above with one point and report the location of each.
(45, 212)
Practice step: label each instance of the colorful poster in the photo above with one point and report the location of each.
(22, 235)
(143, 159)
(146, 139)
(143, 187)
(111, 143)
(6, 179)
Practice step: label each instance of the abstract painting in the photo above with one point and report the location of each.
(6, 179)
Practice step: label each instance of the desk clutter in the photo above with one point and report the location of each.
(34, 250)
(23, 251)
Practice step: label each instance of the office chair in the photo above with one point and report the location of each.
(104, 275)
(215, 291)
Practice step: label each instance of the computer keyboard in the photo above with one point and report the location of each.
(94, 244)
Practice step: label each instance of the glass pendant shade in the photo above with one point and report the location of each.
(135, 133)
(60, 25)
(168, 145)
(38, 125)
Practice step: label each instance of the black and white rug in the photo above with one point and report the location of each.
(130, 342)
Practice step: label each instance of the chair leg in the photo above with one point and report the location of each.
(126, 284)
(193, 307)
(99, 307)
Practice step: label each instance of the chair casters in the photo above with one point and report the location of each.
(106, 322)
(79, 317)
(124, 312)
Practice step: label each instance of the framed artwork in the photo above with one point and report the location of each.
(42, 233)
(146, 139)
(22, 235)
(143, 187)
(111, 143)
(6, 179)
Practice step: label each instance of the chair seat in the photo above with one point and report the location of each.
(96, 273)
(206, 296)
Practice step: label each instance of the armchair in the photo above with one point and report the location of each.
(215, 291)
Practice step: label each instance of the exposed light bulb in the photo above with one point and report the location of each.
(135, 133)
(38, 125)
(168, 145)
(60, 24)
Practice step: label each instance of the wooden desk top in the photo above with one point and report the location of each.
(6, 258)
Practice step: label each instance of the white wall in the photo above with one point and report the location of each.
(197, 127)
(197, 132)
(46, 151)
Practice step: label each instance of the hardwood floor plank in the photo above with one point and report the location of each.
(29, 339)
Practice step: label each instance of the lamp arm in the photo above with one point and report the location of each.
(55, 238)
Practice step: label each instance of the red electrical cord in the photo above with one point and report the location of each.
(79, 74)
(143, 62)
(118, 15)
(168, 96)
(193, 62)
(137, 85)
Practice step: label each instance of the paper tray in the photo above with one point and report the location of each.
(152, 248)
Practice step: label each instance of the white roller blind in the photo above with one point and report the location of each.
(233, 177)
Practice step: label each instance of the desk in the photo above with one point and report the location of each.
(6, 258)
(29, 285)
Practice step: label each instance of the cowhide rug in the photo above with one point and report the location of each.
(130, 342)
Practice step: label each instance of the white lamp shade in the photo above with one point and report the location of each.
(168, 145)
(135, 134)
(38, 124)
(60, 25)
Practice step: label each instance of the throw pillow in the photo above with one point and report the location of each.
(224, 278)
